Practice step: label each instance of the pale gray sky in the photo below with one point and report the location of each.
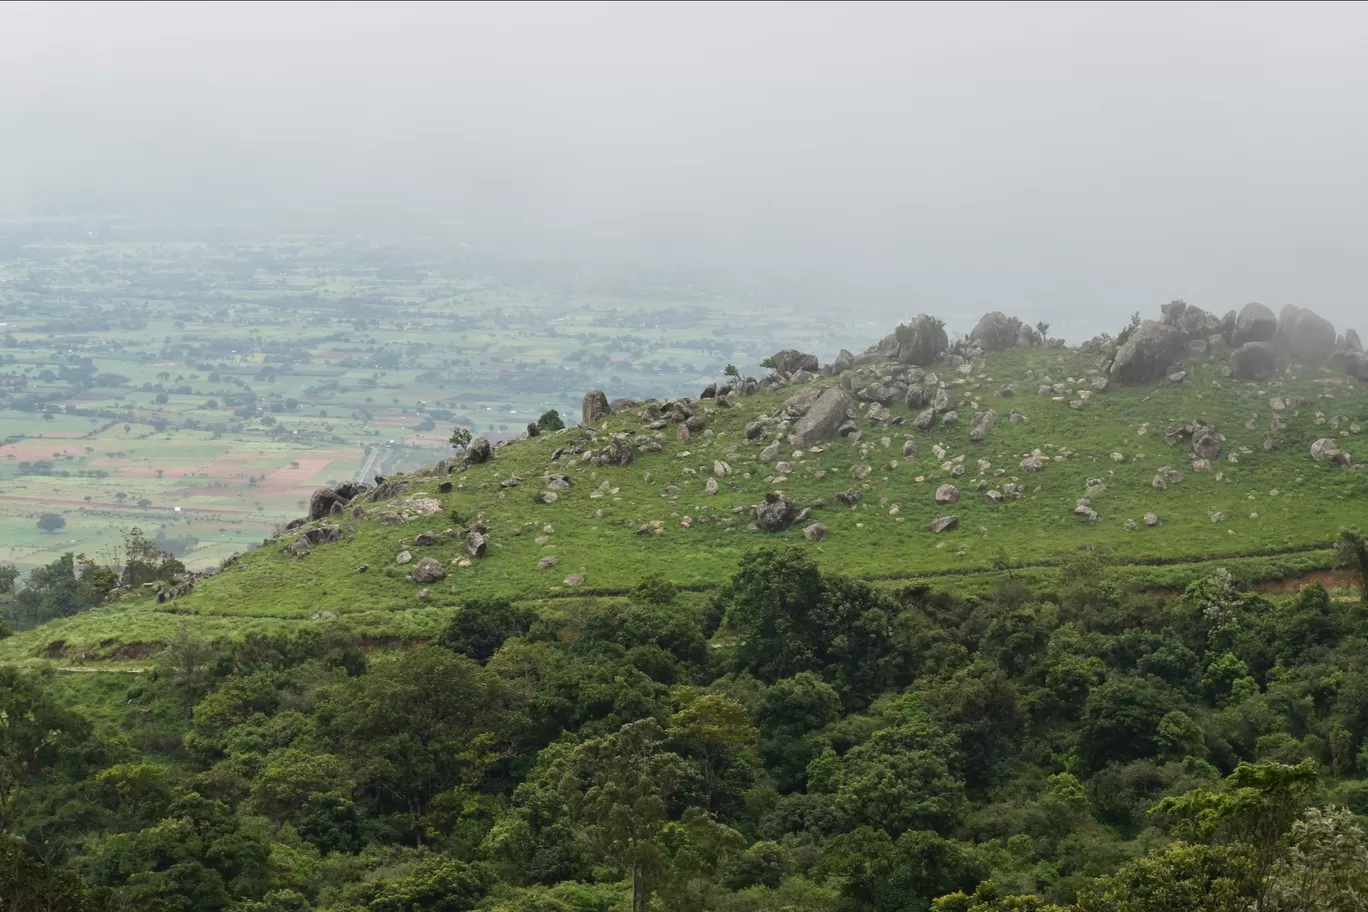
(1076, 161)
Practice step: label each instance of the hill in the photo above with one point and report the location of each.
(672, 486)
(750, 652)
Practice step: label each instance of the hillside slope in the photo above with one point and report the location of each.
(608, 525)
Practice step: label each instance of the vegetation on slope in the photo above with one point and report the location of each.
(838, 747)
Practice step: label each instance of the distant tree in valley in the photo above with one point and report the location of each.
(51, 522)
(460, 438)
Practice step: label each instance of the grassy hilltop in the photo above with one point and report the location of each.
(1274, 511)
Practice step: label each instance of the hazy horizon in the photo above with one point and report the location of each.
(1072, 162)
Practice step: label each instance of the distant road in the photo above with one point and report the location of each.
(368, 464)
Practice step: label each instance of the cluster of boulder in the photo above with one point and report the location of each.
(1255, 336)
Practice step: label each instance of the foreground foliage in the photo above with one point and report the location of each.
(801, 741)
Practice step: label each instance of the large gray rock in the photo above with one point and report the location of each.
(774, 515)
(996, 331)
(790, 360)
(945, 400)
(947, 494)
(1205, 443)
(1255, 323)
(428, 570)
(1193, 321)
(917, 397)
(1146, 354)
(1326, 450)
(594, 408)
(1356, 365)
(479, 451)
(1310, 336)
(1351, 341)
(1253, 361)
(822, 419)
(477, 544)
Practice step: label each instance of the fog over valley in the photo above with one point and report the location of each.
(1071, 162)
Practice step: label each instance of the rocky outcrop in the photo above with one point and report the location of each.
(323, 501)
(823, 417)
(790, 361)
(1351, 341)
(1255, 323)
(1253, 361)
(617, 452)
(1356, 365)
(1147, 353)
(594, 408)
(996, 331)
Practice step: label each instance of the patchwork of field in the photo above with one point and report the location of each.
(202, 388)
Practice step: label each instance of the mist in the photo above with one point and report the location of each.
(1072, 162)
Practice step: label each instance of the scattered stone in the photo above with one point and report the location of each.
(944, 524)
(403, 558)
(477, 544)
(1151, 519)
(574, 581)
(428, 570)
(815, 532)
(546, 563)
(947, 494)
(1131, 526)
(1326, 450)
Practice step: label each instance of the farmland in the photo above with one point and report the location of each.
(201, 388)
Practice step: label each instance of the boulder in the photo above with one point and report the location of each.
(790, 360)
(815, 532)
(944, 523)
(876, 392)
(477, 544)
(754, 430)
(1205, 443)
(1351, 341)
(574, 581)
(774, 515)
(1310, 336)
(1326, 450)
(1356, 365)
(546, 563)
(1147, 353)
(1193, 321)
(594, 408)
(323, 501)
(822, 418)
(479, 451)
(925, 420)
(428, 570)
(844, 362)
(909, 449)
(1253, 361)
(917, 397)
(944, 401)
(996, 331)
(947, 494)
(1255, 323)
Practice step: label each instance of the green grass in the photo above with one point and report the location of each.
(1292, 534)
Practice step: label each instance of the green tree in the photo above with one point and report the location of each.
(1325, 867)
(420, 723)
(620, 787)
(550, 421)
(460, 438)
(51, 522)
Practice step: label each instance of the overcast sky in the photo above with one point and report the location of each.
(1075, 161)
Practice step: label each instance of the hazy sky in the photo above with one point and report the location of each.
(1076, 161)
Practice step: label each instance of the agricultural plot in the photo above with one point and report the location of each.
(202, 389)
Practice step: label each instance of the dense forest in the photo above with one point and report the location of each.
(797, 741)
